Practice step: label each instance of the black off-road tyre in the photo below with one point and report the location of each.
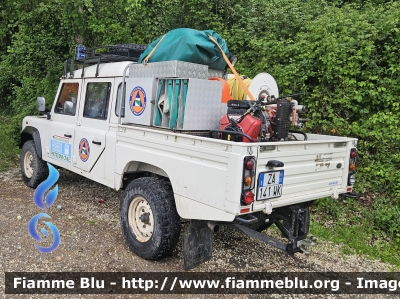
(145, 199)
(33, 169)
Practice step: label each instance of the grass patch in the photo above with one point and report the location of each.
(371, 231)
(9, 151)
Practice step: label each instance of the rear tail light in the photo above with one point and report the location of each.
(248, 197)
(249, 165)
(353, 156)
(352, 167)
(352, 178)
(248, 179)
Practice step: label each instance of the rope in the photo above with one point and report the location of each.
(233, 70)
(152, 51)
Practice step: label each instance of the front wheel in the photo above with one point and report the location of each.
(149, 220)
(33, 169)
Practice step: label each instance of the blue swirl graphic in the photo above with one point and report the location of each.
(45, 232)
(44, 186)
(32, 231)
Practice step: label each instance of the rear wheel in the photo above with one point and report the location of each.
(149, 220)
(33, 169)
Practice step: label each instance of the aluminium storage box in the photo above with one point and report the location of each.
(175, 95)
(173, 69)
(188, 104)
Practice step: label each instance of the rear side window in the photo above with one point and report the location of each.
(66, 103)
(97, 100)
(120, 94)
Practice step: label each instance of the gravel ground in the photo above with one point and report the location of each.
(91, 241)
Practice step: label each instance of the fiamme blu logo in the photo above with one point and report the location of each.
(51, 196)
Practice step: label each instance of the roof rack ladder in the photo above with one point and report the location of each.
(97, 68)
(65, 68)
(71, 73)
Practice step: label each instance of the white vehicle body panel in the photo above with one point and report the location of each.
(206, 174)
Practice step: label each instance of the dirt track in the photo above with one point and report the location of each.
(91, 241)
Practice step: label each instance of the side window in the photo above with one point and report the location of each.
(66, 103)
(120, 94)
(97, 100)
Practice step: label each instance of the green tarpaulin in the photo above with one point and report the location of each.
(189, 45)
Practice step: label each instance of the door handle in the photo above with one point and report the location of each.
(66, 135)
(275, 163)
(96, 142)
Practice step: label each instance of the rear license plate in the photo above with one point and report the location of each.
(270, 184)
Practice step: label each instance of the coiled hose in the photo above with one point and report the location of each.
(236, 90)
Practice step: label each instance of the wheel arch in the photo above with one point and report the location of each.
(31, 133)
(137, 169)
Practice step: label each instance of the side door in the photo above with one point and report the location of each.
(64, 114)
(93, 125)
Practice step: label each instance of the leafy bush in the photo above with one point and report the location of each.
(343, 54)
(386, 216)
(346, 60)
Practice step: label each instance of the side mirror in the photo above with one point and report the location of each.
(41, 104)
(41, 107)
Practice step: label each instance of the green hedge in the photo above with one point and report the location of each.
(347, 61)
(344, 55)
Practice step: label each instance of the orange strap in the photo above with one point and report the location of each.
(152, 51)
(233, 70)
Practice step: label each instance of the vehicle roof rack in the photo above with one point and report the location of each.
(104, 54)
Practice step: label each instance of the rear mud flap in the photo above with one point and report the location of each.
(197, 244)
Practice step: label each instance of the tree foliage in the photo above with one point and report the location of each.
(343, 54)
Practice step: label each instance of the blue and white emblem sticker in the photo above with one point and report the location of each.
(137, 101)
(84, 149)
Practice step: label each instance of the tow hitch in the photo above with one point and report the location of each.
(306, 245)
(292, 221)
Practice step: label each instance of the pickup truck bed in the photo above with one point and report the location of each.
(206, 174)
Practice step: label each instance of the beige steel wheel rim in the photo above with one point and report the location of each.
(141, 220)
(28, 159)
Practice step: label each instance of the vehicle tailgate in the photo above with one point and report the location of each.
(312, 170)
